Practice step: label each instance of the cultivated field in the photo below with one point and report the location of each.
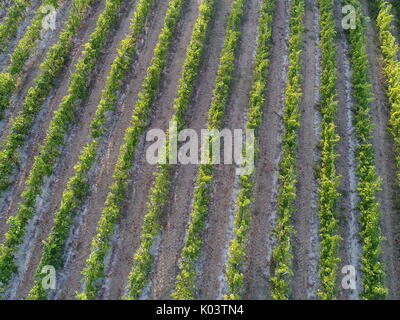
(85, 215)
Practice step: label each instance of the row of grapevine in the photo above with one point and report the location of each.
(110, 215)
(390, 49)
(185, 281)
(143, 258)
(50, 150)
(15, 14)
(78, 186)
(369, 182)
(328, 179)
(50, 68)
(282, 251)
(243, 212)
(11, 76)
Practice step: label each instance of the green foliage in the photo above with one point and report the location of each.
(59, 126)
(237, 248)
(185, 281)
(327, 176)
(282, 251)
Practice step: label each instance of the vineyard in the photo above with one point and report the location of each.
(313, 86)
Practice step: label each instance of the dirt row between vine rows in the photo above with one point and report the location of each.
(305, 219)
(349, 250)
(266, 180)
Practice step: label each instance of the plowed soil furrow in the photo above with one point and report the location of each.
(10, 200)
(306, 236)
(129, 228)
(346, 164)
(80, 248)
(3, 12)
(178, 211)
(211, 279)
(266, 180)
(385, 164)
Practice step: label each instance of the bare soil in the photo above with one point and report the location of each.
(266, 181)
(346, 164)
(306, 236)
